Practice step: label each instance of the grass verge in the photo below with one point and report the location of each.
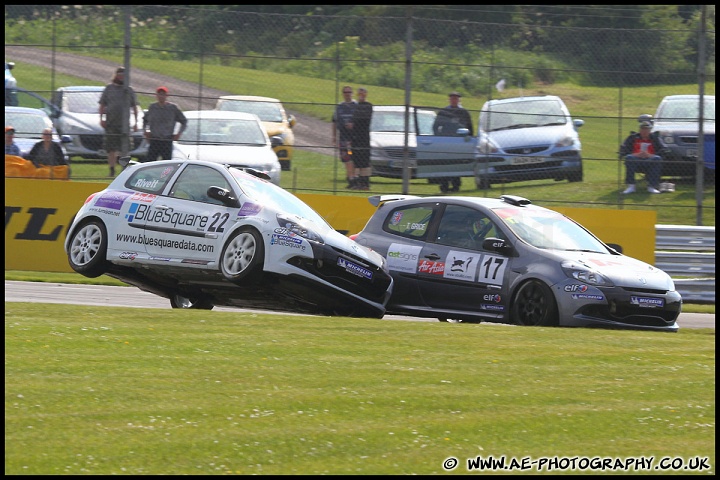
(99, 390)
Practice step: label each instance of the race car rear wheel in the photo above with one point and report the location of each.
(194, 302)
(88, 249)
(243, 255)
(534, 305)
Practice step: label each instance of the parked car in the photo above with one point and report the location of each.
(273, 117)
(387, 138)
(11, 98)
(76, 114)
(527, 138)
(204, 234)
(506, 260)
(677, 122)
(233, 138)
(29, 124)
(437, 158)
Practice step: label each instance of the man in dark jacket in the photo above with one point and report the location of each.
(447, 122)
(642, 154)
(362, 116)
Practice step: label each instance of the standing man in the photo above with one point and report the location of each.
(113, 105)
(447, 122)
(342, 126)
(642, 154)
(159, 126)
(361, 141)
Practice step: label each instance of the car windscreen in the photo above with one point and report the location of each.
(270, 195)
(394, 121)
(532, 113)
(685, 110)
(548, 230)
(223, 131)
(27, 125)
(81, 102)
(267, 111)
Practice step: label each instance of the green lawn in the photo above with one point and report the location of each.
(101, 391)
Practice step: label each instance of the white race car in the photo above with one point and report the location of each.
(205, 234)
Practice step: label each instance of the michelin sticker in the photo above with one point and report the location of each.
(403, 258)
(647, 302)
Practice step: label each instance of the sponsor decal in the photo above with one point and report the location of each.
(575, 288)
(128, 255)
(396, 218)
(112, 200)
(462, 266)
(249, 209)
(105, 211)
(493, 297)
(143, 197)
(167, 171)
(354, 268)
(586, 296)
(284, 231)
(160, 259)
(403, 258)
(168, 217)
(287, 241)
(434, 268)
(490, 306)
(647, 302)
(194, 261)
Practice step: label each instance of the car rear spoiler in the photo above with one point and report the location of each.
(376, 200)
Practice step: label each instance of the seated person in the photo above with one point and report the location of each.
(47, 152)
(642, 154)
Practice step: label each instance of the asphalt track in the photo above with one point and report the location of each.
(101, 295)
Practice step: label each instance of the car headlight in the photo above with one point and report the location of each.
(581, 273)
(485, 146)
(565, 141)
(293, 226)
(666, 137)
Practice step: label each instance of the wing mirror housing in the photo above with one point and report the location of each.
(224, 195)
(498, 245)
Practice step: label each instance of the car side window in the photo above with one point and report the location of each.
(151, 178)
(464, 228)
(194, 181)
(410, 222)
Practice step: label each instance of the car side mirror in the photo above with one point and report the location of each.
(463, 132)
(276, 141)
(291, 121)
(615, 246)
(498, 245)
(223, 195)
(65, 139)
(578, 123)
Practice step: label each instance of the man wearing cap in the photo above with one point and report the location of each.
(114, 102)
(641, 152)
(447, 123)
(11, 147)
(159, 126)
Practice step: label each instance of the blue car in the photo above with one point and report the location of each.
(527, 138)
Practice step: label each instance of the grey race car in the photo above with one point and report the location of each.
(508, 261)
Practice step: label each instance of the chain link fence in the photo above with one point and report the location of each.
(595, 69)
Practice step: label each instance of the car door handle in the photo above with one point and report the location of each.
(162, 207)
(433, 256)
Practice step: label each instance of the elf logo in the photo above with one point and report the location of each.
(576, 288)
(492, 298)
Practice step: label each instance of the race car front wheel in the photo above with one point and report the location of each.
(534, 305)
(88, 249)
(243, 255)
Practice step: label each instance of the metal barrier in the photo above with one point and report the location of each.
(688, 252)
